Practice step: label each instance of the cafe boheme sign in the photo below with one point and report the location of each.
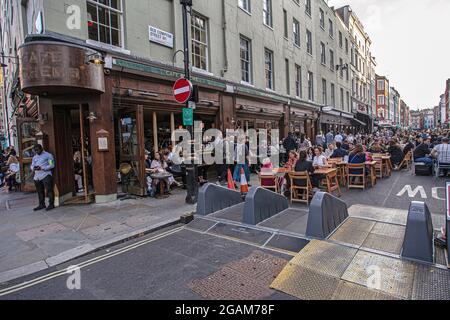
(57, 68)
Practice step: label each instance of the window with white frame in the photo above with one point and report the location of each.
(323, 57)
(380, 84)
(333, 95)
(331, 28)
(310, 86)
(342, 99)
(245, 5)
(322, 19)
(381, 100)
(324, 92)
(308, 8)
(296, 32)
(246, 60)
(105, 21)
(268, 66)
(331, 60)
(298, 81)
(309, 44)
(267, 13)
(199, 36)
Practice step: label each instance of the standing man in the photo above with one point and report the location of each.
(339, 138)
(330, 137)
(43, 163)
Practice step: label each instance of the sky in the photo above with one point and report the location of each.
(411, 43)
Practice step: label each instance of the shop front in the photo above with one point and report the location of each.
(336, 121)
(363, 115)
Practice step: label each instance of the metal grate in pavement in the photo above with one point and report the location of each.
(351, 291)
(383, 243)
(245, 279)
(396, 276)
(325, 258)
(241, 233)
(431, 284)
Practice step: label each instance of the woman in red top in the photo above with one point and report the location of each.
(292, 161)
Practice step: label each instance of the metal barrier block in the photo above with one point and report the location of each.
(419, 236)
(262, 204)
(326, 213)
(213, 198)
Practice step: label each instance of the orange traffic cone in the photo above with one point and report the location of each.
(244, 184)
(230, 181)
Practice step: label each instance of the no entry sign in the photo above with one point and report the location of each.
(182, 90)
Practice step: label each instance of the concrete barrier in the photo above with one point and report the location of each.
(213, 198)
(326, 213)
(419, 236)
(261, 204)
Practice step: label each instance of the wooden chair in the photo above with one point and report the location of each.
(333, 183)
(379, 168)
(407, 161)
(361, 176)
(301, 194)
(268, 181)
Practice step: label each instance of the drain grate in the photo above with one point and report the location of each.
(305, 284)
(245, 279)
(431, 284)
(351, 291)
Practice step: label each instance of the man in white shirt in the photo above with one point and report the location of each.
(442, 153)
(339, 138)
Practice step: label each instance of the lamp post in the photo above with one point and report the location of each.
(191, 168)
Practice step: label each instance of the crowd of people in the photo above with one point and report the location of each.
(427, 146)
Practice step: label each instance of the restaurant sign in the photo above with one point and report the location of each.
(362, 108)
(161, 37)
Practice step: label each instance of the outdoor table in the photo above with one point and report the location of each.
(161, 176)
(387, 164)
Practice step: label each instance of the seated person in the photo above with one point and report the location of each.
(330, 150)
(172, 168)
(158, 166)
(376, 148)
(292, 160)
(339, 152)
(267, 170)
(319, 161)
(346, 145)
(422, 153)
(396, 154)
(442, 153)
(357, 156)
(303, 165)
(10, 176)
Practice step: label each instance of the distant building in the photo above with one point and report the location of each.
(394, 106)
(428, 119)
(416, 120)
(382, 88)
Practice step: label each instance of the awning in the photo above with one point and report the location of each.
(357, 122)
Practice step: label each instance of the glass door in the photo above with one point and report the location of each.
(27, 129)
(132, 151)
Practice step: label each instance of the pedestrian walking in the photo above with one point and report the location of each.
(42, 165)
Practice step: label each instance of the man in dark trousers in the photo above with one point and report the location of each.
(42, 165)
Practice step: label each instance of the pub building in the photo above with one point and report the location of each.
(111, 108)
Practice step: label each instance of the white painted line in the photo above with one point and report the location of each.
(182, 90)
(59, 273)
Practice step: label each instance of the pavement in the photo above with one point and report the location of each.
(34, 241)
(181, 262)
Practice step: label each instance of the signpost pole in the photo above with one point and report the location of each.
(191, 168)
(447, 220)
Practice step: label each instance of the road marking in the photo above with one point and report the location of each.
(413, 193)
(390, 191)
(84, 264)
(435, 194)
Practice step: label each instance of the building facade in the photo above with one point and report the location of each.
(394, 107)
(362, 67)
(404, 114)
(428, 118)
(416, 120)
(382, 110)
(100, 74)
